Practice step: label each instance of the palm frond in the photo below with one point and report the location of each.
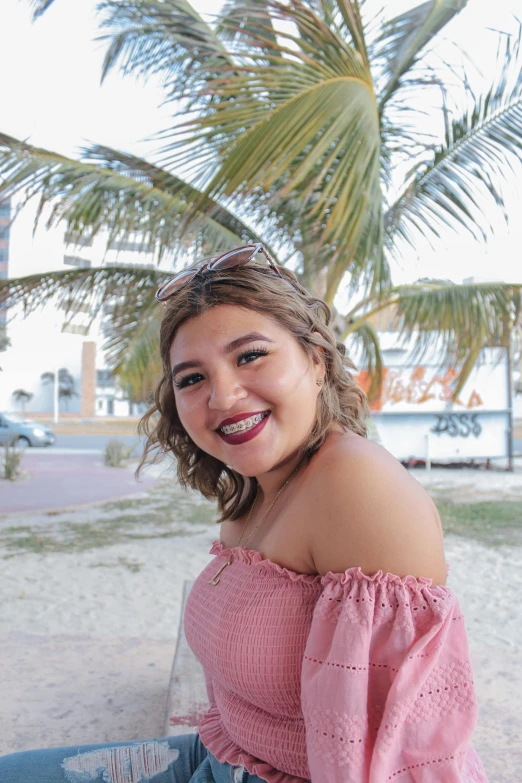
(84, 290)
(245, 18)
(404, 37)
(136, 359)
(122, 194)
(463, 316)
(122, 298)
(40, 7)
(166, 37)
(304, 130)
(365, 340)
(456, 320)
(462, 182)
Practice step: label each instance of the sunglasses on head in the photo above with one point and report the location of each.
(232, 258)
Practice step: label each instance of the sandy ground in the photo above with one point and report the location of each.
(90, 605)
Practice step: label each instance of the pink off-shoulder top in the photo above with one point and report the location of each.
(343, 678)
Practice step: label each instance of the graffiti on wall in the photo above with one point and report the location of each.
(417, 389)
(457, 425)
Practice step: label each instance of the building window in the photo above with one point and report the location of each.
(5, 210)
(100, 405)
(72, 238)
(82, 263)
(4, 255)
(70, 305)
(104, 378)
(110, 406)
(3, 274)
(132, 243)
(4, 232)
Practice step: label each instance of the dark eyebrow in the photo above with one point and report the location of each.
(230, 348)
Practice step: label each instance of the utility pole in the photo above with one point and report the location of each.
(510, 402)
(56, 396)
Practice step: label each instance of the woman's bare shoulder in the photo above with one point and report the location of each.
(369, 507)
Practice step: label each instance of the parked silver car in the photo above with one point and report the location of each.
(24, 431)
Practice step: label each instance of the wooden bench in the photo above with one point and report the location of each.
(187, 695)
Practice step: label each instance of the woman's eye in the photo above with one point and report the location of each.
(188, 380)
(249, 354)
(191, 380)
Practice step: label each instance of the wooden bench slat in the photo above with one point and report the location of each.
(187, 697)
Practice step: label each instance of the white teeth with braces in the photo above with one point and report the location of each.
(245, 424)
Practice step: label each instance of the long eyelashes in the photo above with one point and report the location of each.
(192, 379)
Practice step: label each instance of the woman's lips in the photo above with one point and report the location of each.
(237, 438)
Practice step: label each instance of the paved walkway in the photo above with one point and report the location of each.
(67, 478)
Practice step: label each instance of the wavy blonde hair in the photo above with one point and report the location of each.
(307, 318)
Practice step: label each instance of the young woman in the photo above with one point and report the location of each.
(333, 652)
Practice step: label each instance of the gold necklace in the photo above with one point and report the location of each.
(214, 581)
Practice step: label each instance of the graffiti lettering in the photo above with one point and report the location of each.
(416, 387)
(463, 424)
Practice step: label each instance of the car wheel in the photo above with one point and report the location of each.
(23, 442)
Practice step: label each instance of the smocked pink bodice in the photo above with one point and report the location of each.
(344, 678)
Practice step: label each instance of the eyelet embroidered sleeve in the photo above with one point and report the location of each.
(387, 686)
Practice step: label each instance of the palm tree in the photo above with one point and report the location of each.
(5, 342)
(294, 121)
(22, 396)
(66, 389)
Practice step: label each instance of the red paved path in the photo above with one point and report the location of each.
(61, 480)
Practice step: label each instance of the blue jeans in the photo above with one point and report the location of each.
(179, 759)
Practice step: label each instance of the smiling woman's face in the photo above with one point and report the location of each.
(234, 363)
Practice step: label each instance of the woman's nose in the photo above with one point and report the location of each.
(225, 391)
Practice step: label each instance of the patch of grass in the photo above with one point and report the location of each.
(133, 566)
(117, 453)
(68, 537)
(167, 511)
(11, 459)
(164, 512)
(492, 523)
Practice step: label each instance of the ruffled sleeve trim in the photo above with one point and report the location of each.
(255, 558)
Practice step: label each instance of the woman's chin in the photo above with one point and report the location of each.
(250, 464)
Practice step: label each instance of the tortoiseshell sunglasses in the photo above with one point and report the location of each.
(232, 258)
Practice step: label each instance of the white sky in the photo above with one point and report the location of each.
(51, 97)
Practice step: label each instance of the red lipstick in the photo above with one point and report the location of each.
(239, 417)
(236, 438)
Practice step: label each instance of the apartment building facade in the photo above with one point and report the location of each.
(5, 220)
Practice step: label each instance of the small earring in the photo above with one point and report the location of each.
(319, 383)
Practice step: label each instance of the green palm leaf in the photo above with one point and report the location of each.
(122, 194)
(85, 290)
(365, 340)
(137, 361)
(460, 184)
(403, 39)
(245, 19)
(305, 127)
(292, 121)
(462, 319)
(124, 299)
(167, 37)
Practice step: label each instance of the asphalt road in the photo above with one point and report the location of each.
(57, 479)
